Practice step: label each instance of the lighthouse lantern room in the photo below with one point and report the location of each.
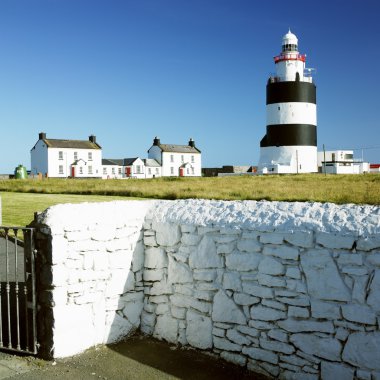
(290, 143)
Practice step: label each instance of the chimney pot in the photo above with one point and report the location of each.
(42, 136)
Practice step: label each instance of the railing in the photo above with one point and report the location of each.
(290, 57)
(18, 331)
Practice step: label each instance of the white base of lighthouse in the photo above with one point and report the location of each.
(288, 160)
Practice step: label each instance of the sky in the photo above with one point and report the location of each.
(129, 70)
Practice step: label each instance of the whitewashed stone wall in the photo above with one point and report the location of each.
(291, 290)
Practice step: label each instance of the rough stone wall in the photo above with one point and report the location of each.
(268, 289)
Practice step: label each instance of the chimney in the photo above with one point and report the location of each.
(42, 136)
(92, 138)
(156, 141)
(192, 143)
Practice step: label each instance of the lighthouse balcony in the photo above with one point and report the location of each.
(273, 78)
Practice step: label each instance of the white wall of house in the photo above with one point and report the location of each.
(152, 171)
(39, 158)
(60, 162)
(172, 161)
(112, 172)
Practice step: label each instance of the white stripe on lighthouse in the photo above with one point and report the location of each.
(291, 113)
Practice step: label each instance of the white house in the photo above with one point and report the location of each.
(176, 160)
(341, 162)
(66, 158)
(123, 168)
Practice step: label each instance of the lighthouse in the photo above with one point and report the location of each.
(290, 143)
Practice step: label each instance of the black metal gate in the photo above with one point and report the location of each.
(18, 327)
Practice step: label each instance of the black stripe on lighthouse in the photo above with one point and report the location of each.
(283, 92)
(290, 135)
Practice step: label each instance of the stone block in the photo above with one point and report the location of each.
(359, 291)
(261, 325)
(260, 354)
(271, 266)
(300, 239)
(223, 239)
(199, 330)
(116, 329)
(245, 299)
(178, 312)
(368, 243)
(273, 304)
(225, 345)
(167, 234)
(242, 262)
(252, 332)
(225, 248)
(334, 240)
(153, 275)
(336, 371)
(205, 256)
(350, 259)
(322, 276)
(257, 290)
(120, 259)
(283, 252)
(294, 326)
(278, 334)
(326, 310)
(298, 312)
(266, 314)
(374, 259)
(363, 375)
(271, 281)
(155, 258)
(132, 311)
(178, 273)
(235, 337)
(293, 272)
(363, 350)
(271, 238)
(166, 328)
(296, 301)
(188, 228)
(231, 281)
(225, 310)
(190, 239)
(276, 346)
(204, 275)
(373, 298)
(249, 245)
(221, 333)
(326, 348)
(359, 313)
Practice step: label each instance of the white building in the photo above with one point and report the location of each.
(341, 162)
(129, 168)
(177, 160)
(290, 143)
(66, 158)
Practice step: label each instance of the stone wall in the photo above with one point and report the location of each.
(287, 289)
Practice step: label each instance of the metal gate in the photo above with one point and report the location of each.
(18, 325)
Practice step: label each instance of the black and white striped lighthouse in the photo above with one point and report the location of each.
(290, 144)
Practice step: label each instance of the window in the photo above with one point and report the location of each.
(80, 169)
(192, 170)
(113, 170)
(60, 169)
(157, 171)
(192, 158)
(149, 171)
(187, 171)
(104, 170)
(60, 155)
(90, 156)
(75, 156)
(182, 159)
(119, 170)
(171, 170)
(171, 158)
(90, 169)
(138, 169)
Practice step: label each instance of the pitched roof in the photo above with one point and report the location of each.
(151, 162)
(76, 144)
(119, 161)
(178, 148)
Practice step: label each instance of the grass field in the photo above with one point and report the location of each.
(359, 189)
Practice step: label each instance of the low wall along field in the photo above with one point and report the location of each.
(291, 290)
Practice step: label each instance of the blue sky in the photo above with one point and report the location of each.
(128, 70)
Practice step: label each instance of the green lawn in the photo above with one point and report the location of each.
(18, 208)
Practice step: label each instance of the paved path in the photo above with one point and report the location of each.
(139, 358)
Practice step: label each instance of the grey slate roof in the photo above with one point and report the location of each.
(119, 161)
(178, 148)
(151, 162)
(76, 144)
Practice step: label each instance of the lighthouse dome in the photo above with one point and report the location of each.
(289, 42)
